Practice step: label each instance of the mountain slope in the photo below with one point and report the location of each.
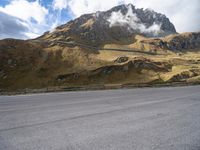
(117, 25)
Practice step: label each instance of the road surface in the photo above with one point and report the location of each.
(126, 119)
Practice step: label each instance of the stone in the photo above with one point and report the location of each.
(121, 59)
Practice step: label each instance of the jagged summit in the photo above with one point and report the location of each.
(119, 24)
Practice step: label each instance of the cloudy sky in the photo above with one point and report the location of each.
(26, 19)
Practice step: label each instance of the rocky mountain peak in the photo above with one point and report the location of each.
(119, 24)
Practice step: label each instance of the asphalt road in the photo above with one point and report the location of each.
(133, 119)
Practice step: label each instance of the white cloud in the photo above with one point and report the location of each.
(12, 27)
(184, 14)
(26, 10)
(60, 4)
(32, 14)
(131, 20)
(154, 29)
(79, 7)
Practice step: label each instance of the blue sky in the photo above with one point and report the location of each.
(32, 17)
(26, 19)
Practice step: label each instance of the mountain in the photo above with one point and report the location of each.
(173, 42)
(123, 46)
(119, 24)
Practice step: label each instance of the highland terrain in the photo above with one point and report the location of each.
(119, 47)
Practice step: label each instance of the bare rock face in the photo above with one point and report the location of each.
(120, 23)
(183, 41)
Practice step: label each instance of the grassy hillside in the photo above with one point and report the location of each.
(33, 65)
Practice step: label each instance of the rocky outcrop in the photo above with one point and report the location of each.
(122, 59)
(184, 75)
(183, 41)
(136, 65)
(174, 42)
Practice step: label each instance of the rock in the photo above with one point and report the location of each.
(121, 59)
(2, 73)
(183, 41)
(184, 75)
(10, 61)
(4, 77)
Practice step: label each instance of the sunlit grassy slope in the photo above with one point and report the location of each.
(26, 64)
